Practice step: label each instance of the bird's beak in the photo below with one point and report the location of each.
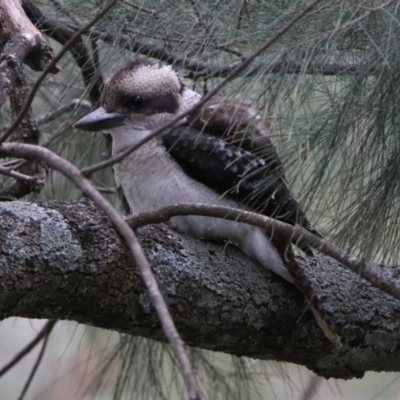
(100, 119)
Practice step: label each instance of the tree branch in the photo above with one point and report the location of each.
(29, 43)
(201, 69)
(20, 42)
(63, 260)
(26, 132)
(51, 66)
(62, 33)
(379, 275)
(17, 175)
(275, 64)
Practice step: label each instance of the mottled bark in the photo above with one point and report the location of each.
(63, 260)
(21, 42)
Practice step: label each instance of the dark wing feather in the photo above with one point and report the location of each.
(234, 172)
(237, 122)
(241, 124)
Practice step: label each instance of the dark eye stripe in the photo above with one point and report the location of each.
(165, 104)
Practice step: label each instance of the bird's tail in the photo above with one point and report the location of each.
(320, 313)
(303, 283)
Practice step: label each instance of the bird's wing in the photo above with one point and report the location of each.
(252, 181)
(237, 122)
(241, 124)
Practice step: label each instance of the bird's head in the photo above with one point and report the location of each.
(133, 94)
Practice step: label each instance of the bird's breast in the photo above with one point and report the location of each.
(150, 179)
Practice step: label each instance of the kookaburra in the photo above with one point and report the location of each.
(221, 154)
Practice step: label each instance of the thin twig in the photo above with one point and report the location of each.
(189, 63)
(274, 64)
(368, 271)
(58, 112)
(105, 190)
(14, 164)
(50, 67)
(36, 365)
(153, 13)
(57, 135)
(17, 175)
(70, 171)
(29, 347)
(240, 68)
(60, 7)
(312, 387)
(75, 103)
(203, 69)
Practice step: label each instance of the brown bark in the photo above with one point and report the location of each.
(26, 132)
(62, 260)
(62, 33)
(21, 42)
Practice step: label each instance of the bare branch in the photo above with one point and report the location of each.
(141, 8)
(17, 175)
(14, 53)
(26, 132)
(30, 46)
(63, 256)
(75, 103)
(276, 65)
(47, 328)
(37, 362)
(60, 7)
(311, 390)
(32, 175)
(371, 272)
(60, 32)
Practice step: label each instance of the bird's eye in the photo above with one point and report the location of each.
(135, 101)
